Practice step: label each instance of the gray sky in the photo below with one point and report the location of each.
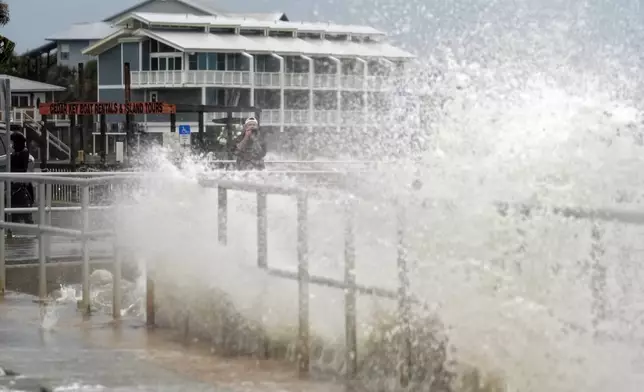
(418, 23)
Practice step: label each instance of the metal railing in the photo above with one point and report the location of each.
(70, 194)
(304, 278)
(349, 284)
(52, 140)
(22, 115)
(43, 229)
(31, 117)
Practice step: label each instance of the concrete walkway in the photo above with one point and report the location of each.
(96, 353)
(79, 353)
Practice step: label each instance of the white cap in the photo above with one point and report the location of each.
(251, 121)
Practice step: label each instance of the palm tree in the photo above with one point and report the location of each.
(4, 13)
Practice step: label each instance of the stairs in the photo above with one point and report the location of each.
(56, 149)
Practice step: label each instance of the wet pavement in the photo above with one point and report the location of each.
(70, 352)
(95, 354)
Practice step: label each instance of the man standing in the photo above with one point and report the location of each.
(22, 193)
(251, 149)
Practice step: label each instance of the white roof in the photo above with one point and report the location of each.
(261, 16)
(242, 21)
(25, 85)
(200, 42)
(210, 7)
(84, 31)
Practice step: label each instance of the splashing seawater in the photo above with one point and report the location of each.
(515, 293)
(65, 296)
(523, 105)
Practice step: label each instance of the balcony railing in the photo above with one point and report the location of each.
(273, 117)
(22, 115)
(156, 78)
(219, 78)
(267, 79)
(270, 80)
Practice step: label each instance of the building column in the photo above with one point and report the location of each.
(311, 81)
(389, 64)
(251, 72)
(386, 62)
(184, 68)
(365, 92)
(282, 100)
(121, 65)
(338, 92)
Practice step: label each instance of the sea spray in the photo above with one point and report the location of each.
(525, 106)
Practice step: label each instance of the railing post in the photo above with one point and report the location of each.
(303, 341)
(598, 276)
(262, 230)
(150, 311)
(42, 243)
(222, 215)
(6, 96)
(350, 305)
(85, 249)
(3, 267)
(118, 256)
(48, 203)
(404, 303)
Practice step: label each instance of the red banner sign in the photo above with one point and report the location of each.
(91, 108)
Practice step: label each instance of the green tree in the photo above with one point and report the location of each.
(4, 13)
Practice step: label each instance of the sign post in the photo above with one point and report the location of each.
(184, 135)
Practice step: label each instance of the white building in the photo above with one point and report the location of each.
(301, 75)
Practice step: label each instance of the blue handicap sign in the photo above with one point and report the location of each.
(184, 129)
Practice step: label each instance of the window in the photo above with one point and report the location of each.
(160, 47)
(220, 97)
(260, 63)
(221, 62)
(154, 96)
(203, 61)
(234, 62)
(163, 48)
(20, 101)
(193, 62)
(64, 51)
(166, 63)
(212, 61)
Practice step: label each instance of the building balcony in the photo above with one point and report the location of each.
(273, 117)
(22, 116)
(266, 80)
